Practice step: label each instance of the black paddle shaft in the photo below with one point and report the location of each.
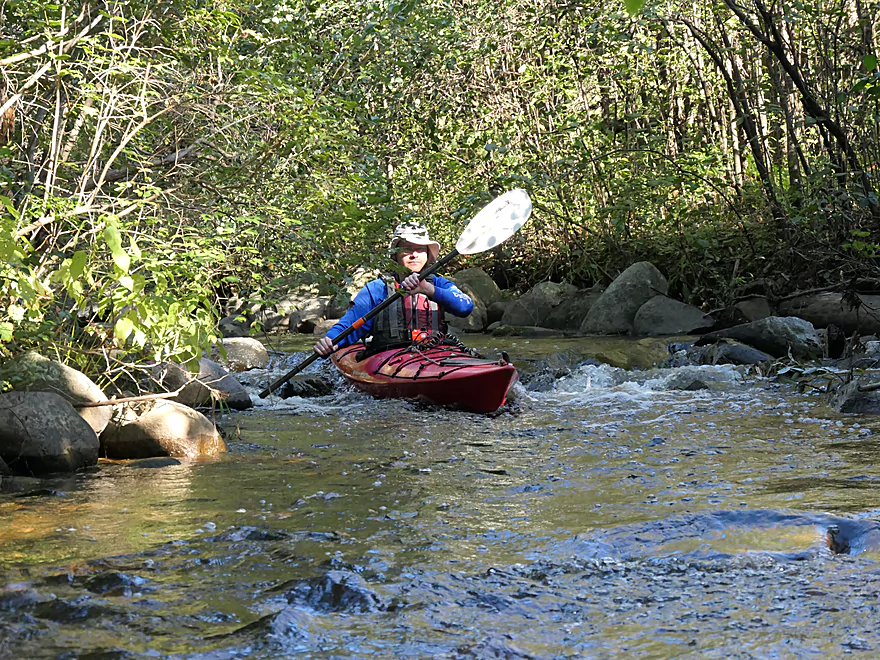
(278, 382)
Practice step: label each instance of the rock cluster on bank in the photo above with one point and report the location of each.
(49, 421)
(756, 328)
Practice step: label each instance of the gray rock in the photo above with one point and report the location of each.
(311, 306)
(476, 321)
(40, 433)
(571, 312)
(31, 372)
(242, 353)
(480, 283)
(502, 330)
(775, 335)
(4, 469)
(161, 428)
(616, 308)
(728, 351)
(235, 325)
(196, 393)
(662, 315)
(338, 305)
(534, 306)
(495, 311)
(322, 327)
(827, 308)
(755, 308)
(269, 319)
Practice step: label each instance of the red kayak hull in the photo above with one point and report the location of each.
(444, 376)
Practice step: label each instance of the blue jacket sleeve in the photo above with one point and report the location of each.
(451, 298)
(367, 298)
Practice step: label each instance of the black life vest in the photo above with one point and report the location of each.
(408, 319)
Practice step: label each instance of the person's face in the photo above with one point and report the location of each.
(412, 256)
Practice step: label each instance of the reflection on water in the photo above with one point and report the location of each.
(607, 513)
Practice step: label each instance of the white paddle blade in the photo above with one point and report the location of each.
(496, 222)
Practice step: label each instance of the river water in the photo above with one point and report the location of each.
(604, 513)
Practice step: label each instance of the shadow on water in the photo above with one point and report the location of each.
(605, 514)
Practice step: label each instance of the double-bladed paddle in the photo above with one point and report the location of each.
(494, 224)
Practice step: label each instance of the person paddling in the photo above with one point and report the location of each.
(414, 318)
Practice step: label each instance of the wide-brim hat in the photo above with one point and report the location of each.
(415, 233)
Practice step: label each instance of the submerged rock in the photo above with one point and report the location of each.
(40, 433)
(337, 591)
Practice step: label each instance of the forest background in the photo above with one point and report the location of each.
(159, 156)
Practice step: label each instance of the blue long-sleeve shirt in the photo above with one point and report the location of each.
(446, 295)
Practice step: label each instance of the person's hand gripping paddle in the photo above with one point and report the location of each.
(494, 224)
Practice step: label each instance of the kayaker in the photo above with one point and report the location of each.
(416, 317)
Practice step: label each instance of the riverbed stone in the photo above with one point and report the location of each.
(729, 351)
(337, 591)
(775, 335)
(476, 321)
(41, 433)
(533, 307)
(755, 308)
(829, 307)
(615, 310)
(571, 312)
(31, 372)
(662, 315)
(242, 354)
(197, 391)
(849, 399)
(480, 283)
(495, 311)
(161, 428)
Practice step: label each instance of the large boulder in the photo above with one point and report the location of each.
(571, 312)
(480, 283)
(161, 428)
(197, 391)
(615, 311)
(476, 321)
(40, 433)
(774, 335)
(535, 305)
(662, 315)
(243, 353)
(830, 308)
(31, 372)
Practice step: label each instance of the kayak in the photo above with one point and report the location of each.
(442, 375)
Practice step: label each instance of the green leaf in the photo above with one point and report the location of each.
(6, 329)
(633, 7)
(870, 62)
(114, 242)
(9, 206)
(123, 328)
(77, 264)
